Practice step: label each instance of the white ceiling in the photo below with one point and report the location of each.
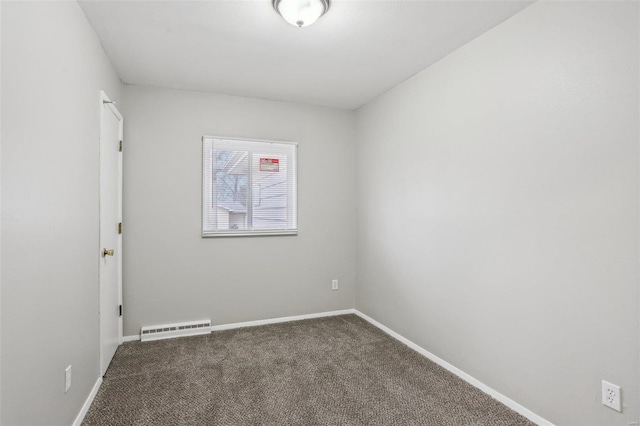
(355, 52)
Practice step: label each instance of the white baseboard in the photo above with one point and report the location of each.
(263, 322)
(87, 403)
(464, 376)
(281, 319)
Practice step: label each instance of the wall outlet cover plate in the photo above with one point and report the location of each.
(611, 395)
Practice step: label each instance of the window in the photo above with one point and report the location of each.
(248, 187)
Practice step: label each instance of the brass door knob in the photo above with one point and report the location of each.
(106, 252)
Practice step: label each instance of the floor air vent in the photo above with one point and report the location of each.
(168, 331)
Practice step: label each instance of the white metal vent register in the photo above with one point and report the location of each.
(168, 331)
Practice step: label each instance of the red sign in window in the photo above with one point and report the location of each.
(269, 165)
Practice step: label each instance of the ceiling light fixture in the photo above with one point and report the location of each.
(301, 13)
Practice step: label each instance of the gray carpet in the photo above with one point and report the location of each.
(328, 371)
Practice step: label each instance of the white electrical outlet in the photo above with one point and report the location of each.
(334, 285)
(611, 395)
(67, 379)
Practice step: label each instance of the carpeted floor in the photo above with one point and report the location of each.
(327, 371)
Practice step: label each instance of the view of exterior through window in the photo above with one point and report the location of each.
(249, 187)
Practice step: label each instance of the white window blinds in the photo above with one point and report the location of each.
(249, 187)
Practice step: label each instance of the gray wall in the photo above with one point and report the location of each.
(52, 70)
(171, 273)
(0, 210)
(497, 194)
(498, 209)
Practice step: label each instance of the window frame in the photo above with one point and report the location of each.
(207, 198)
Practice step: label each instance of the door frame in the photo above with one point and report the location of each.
(105, 103)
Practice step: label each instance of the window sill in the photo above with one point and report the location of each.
(230, 233)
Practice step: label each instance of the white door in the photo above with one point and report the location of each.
(110, 231)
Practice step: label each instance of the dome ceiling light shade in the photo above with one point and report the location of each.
(301, 13)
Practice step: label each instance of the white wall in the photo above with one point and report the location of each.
(514, 165)
(52, 70)
(173, 274)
